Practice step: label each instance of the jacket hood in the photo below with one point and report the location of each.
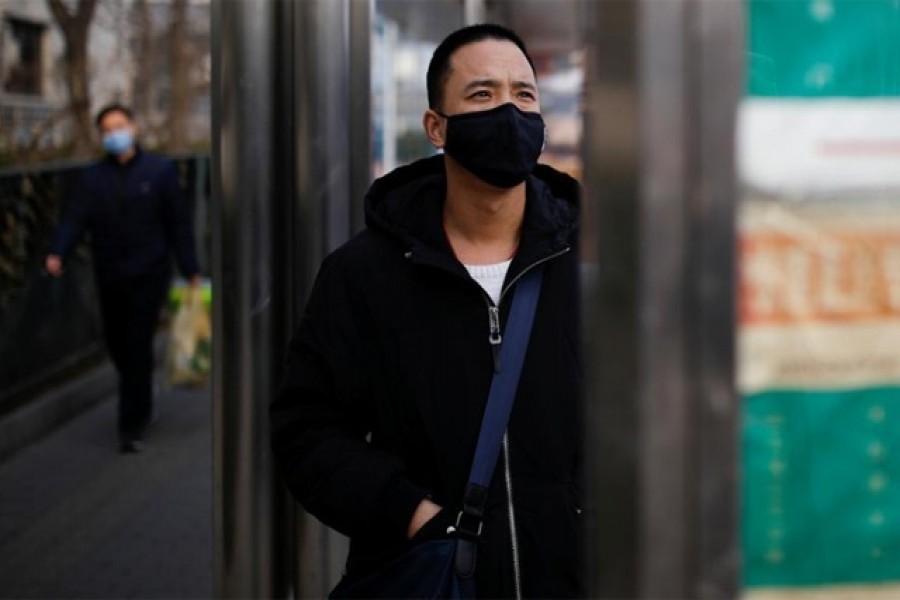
(407, 204)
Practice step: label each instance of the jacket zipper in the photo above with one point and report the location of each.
(529, 268)
(495, 338)
(513, 531)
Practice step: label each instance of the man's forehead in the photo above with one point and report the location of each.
(488, 58)
(114, 116)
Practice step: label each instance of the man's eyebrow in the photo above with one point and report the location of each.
(525, 84)
(493, 83)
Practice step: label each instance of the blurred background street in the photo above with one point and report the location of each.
(80, 520)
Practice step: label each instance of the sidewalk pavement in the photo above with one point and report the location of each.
(80, 520)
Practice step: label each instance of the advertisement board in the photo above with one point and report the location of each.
(819, 324)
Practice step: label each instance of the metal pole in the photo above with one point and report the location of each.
(332, 171)
(291, 158)
(250, 538)
(662, 84)
(360, 90)
(610, 249)
(718, 51)
(291, 162)
(474, 11)
(664, 325)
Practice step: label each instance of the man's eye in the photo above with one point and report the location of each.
(527, 95)
(481, 94)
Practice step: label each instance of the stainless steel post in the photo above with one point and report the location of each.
(290, 161)
(662, 84)
(610, 310)
(248, 537)
(332, 170)
(718, 50)
(474, 11)
(360, 90)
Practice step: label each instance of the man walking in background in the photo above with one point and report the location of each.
(131, 204)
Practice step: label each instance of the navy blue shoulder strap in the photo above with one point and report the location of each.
(496, 416)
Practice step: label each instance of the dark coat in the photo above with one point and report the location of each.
(394, 344)
(136, 215)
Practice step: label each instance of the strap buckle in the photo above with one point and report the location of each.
(468, 526)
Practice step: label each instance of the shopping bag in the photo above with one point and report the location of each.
(190, 341)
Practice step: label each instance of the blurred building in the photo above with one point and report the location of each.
(31, 93)
(132, 55)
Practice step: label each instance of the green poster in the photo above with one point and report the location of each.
(823, 48)
(821, 453)
(821, 487)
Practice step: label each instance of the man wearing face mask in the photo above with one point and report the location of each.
(131, 203)
(377, 417)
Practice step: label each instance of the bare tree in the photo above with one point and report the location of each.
(75, 26)
(181, 88)
(145, 58)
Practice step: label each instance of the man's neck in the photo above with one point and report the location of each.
(482, 222)
(126, 156)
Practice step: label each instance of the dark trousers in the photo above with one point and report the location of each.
(130, 313)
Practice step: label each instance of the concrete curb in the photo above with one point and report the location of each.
(53, 408)
(57, 406)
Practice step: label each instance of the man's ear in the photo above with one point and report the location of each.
(435, 128)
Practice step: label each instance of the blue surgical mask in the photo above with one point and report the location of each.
(118, 141)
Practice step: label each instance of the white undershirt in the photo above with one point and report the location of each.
(490, 277)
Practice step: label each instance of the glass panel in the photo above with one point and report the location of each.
(819, 324)
(405, 34)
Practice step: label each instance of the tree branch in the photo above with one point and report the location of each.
(86, 10)
(60, 12)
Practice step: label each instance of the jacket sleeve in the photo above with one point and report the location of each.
(321, 416)
(178, 222)
(74, 216)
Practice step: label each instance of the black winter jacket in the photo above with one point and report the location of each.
(394, 345)
(137, 217)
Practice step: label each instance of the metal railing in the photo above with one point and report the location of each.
(49, 326)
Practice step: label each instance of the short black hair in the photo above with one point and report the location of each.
(439, 67)
(114, 107)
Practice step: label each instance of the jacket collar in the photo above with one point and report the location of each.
(407, 204)
(114, 161)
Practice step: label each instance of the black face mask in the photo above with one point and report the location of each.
(500, 146)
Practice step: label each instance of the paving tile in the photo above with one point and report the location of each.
(80, 520)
